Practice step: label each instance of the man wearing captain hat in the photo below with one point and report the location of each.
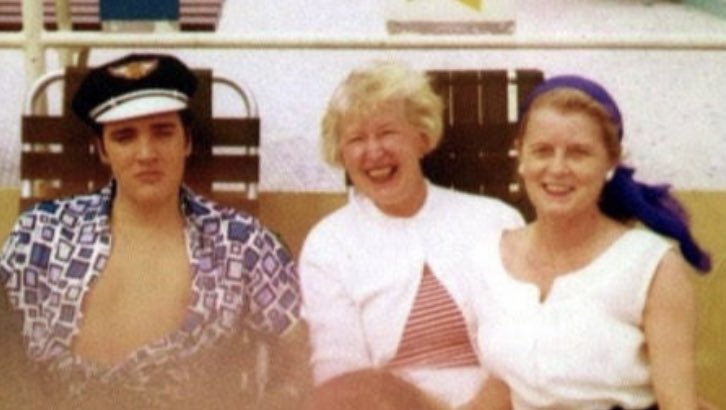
(147, 288)
(134, 86)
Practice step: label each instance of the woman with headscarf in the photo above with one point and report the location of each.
(583, 308)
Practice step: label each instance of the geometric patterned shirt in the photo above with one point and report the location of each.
(243, 278)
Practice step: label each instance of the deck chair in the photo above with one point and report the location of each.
(58, 157)
(475, 154)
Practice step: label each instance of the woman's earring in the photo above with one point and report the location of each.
(609, 175)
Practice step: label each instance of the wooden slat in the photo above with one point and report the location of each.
(494, 96)
(10, 23)
(39, 165)
(474, 153)
(10, 8)
(464, 89)
(470, 170)
(478, 138)
(527, 80)
(55, 130)
(44, 130)
(223, 169)
(236, 131)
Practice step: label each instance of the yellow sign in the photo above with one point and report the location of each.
(475, 4)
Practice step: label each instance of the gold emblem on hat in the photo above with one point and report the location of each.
(134, 70)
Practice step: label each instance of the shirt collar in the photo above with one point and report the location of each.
(369, 208)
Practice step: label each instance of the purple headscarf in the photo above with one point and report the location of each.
(624, 198)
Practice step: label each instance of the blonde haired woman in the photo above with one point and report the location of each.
(384, 277)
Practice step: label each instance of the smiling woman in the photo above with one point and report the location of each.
(563, 162)
(382, 155)
(384, 277)
(576, 295)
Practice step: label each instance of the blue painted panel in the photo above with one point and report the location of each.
(139, 9)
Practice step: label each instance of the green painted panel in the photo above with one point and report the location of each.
(715, 7)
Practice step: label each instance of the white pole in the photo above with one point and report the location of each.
(63, 14)
(12, 40)
(33, 47)
(685, 42)
(63, 19)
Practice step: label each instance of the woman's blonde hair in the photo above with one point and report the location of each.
(367, 88)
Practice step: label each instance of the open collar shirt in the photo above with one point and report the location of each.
(243, 277)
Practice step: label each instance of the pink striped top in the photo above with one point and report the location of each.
(435, 334)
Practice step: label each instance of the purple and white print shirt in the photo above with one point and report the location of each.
(243, 277)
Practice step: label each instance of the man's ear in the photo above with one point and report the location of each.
(101, 149)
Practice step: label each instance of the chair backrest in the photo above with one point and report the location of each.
(476, 153)
(58, 156)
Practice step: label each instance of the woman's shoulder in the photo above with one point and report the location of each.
(467, 198)
(511, 240)
(336, 220)
(491, 209)
(638, 239)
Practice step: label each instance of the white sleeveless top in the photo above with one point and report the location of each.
(583, 347)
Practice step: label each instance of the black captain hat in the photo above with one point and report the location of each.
(134, 86)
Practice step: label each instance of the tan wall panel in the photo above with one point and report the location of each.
(9, 200)
(292, 215)
(708, 216)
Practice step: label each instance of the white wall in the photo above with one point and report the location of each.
(673, 101)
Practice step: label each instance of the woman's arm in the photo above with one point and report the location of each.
(670, 328)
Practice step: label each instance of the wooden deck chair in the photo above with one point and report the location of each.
(475, 154)
(58, 157)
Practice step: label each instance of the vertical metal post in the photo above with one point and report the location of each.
(33, 47)
(63, 14)
(34, 52)
(63, 19)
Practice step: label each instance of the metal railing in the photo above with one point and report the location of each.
(33, 40)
